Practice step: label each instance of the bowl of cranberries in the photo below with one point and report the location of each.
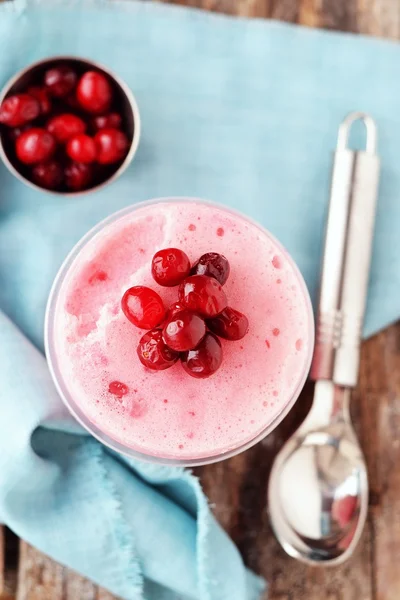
(67, 125)
(189, 330)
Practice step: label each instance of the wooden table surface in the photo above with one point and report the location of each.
(237, 487)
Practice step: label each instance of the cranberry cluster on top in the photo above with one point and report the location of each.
(188, 330)
(64, 127)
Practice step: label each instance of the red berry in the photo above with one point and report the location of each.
(143, 307)
(48, 175)
(204, 360)
(82, 148)
(65, 126)
(78, 176)
(170, 266)
(173, 309)
(60, 81)
(118, 389)
(42, 96)
(94, 92)
(113, 120)
(184, 331)
(34, 146)
(18, 110)
(112, 146)
(214, 265)
(203, 294)
(153, 352)
(230, 324)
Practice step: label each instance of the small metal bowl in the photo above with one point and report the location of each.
(124, 103)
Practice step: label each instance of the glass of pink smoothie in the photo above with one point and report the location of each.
(167, 416)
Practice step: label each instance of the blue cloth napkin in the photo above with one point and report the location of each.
(242, 112)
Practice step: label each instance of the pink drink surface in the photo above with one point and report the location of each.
(168, 413)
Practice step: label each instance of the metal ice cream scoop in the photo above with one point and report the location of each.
(318, 489)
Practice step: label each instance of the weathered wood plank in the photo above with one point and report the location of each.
(379, 427)
(2, 561)
(379, 17)
(8, 564)
(310, 13)
(284, 10)
(243, 8)
(76, 586)
(39, 577)
(104, 595)
(339, 15)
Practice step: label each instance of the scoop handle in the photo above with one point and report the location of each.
(346, 258)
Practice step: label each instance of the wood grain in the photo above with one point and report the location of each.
(237, 488)
(40, 578)
(379, 17)
(8, 561)
(310, 13)
(2, 561)
(379, 426)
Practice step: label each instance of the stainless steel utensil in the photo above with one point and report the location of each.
(318, 489)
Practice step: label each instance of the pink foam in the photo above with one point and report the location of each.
(168, 413)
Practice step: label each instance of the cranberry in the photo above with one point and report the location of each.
(78, 176)
(118, 389)
(60, 81)
(35, 145)
(230, 324)
(173, 309)
(214, 265)
(113, 120)
(41, 95)
(203, 294)
(94, 92)
(48, 175)
(143, 307)
(82, 148)
(184, 331)
(204, 360)
(170, 266)
(154, 353)
(112, 146)
(65, 126)
(18, 110)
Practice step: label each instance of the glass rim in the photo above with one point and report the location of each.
(76, 410)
